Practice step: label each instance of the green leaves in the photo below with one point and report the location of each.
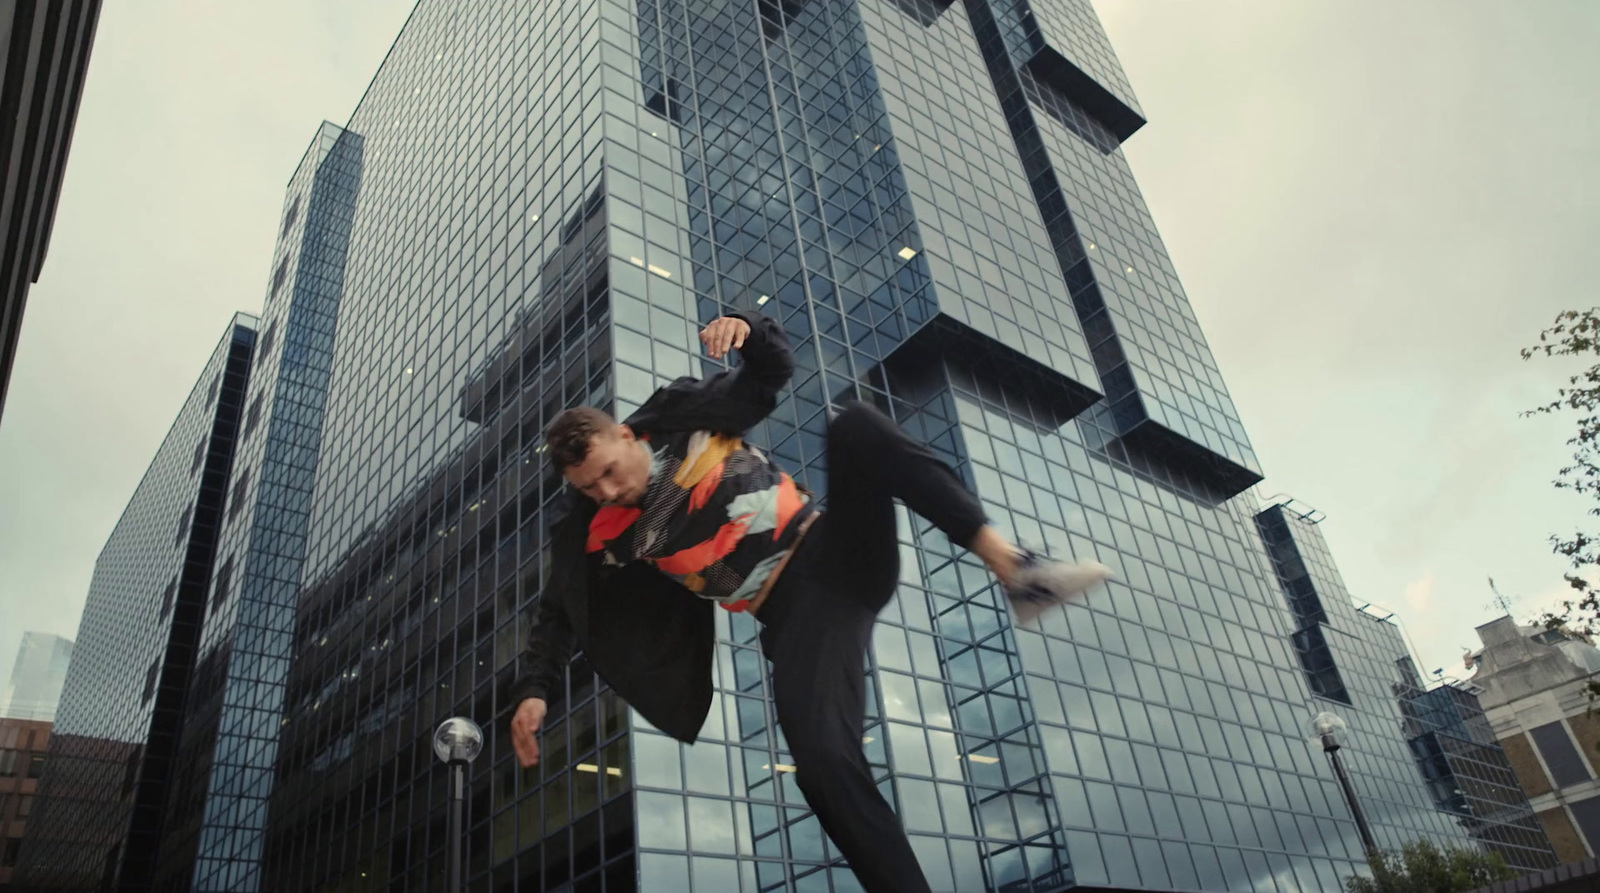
(1576, 333)
(1423, 867)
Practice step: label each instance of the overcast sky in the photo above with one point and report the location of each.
(1372, 205)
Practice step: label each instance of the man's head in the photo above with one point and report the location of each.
(601, 458)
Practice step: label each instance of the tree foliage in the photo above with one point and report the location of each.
(1576, 333)
(1422, 867)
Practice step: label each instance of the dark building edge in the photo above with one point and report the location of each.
(154, 788)
(45, 62)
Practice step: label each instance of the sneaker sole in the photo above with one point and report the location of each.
(1064, 583)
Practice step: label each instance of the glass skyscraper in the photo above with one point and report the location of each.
(34, 690)
(103, 799)
(537, 206)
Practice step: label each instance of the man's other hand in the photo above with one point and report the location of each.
(725, 333)
(525, 725)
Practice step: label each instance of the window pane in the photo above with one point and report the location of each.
(1566, 766)
(1587, 815)
(663, 874)
(661, 821)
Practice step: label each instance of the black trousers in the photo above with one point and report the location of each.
(818, 623)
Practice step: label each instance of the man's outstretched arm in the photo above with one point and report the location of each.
(542, 665)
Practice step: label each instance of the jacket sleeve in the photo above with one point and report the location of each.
(765, 367)
(543, 662)
(765, 362)
(733, 401)
(542, 666)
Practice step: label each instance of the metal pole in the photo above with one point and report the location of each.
(1367, 843)
(458, 801)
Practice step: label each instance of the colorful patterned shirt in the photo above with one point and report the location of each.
(717, 517)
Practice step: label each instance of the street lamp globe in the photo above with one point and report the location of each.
(1330, 728)
(458, 740)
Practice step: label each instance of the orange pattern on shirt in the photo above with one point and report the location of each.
(707, 451)
(700, 556)
(608, 524)
(789, 502)
(703, 491)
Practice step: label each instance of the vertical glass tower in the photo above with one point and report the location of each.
(102, 809)
(932, 200)
(233, 714)
(537, 206)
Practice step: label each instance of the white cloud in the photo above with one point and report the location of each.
(1419, 594)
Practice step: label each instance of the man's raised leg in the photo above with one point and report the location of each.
(870, 457)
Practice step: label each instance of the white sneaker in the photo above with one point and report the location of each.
(1042, 583)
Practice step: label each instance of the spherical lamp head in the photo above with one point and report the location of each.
(458, 740)
(1330, 728)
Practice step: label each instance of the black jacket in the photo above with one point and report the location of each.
(647, 636)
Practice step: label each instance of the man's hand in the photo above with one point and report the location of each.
(525, 725)
(725, 333)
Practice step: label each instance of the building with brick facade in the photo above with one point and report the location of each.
(22, 755)
(1535, 695)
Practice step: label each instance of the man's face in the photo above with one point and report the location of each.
(616, 471)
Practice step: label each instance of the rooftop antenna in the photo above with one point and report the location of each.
(1499, 601)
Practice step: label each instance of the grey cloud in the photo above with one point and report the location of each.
(192, 120)
(1372, 206)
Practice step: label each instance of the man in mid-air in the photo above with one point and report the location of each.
(677, 513)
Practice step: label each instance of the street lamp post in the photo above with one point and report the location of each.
(457, 742)
(1330, 728)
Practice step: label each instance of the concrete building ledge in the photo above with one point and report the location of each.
(1574, 877)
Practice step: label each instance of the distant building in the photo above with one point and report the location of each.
(1469, 773)
(1351, 655)
(114, 761)
(23, 743)
(34, 689)
(1535, 697)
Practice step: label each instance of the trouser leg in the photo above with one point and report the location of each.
(872, 462)
(819, 623)
(819, 690)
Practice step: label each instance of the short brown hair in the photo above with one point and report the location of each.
(569, 436)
